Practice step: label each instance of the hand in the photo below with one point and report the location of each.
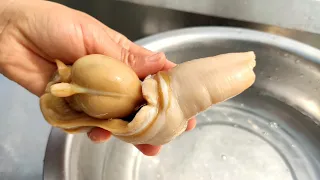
(33, 33)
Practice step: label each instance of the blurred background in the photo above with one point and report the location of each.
(297, 19)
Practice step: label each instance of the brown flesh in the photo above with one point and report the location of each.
(64, 112)
(67, 113)
(59, 114)
(99, 74)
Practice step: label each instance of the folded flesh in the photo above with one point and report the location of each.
(86, 95)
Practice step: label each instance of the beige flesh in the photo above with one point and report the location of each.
(171, 98)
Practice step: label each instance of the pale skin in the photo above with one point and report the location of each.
(33, 33)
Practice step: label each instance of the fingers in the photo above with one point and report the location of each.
(142, 61)
(144, 65)
(98, 135)
(124, 42)
(148, 150)
(191, 124)
(168, 65)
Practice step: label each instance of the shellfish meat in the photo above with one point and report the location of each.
(99, 91)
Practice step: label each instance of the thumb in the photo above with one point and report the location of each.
(99, 40)
(144, 65)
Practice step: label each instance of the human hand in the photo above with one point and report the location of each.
(35, 33)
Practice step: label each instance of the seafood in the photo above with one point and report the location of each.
(99, 91)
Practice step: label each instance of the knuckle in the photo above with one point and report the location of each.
(122, 41)
(128, 58)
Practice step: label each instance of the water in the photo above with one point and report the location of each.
(273, 125)
(224, 157)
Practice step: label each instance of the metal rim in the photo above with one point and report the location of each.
(58, 141)
(158, 41)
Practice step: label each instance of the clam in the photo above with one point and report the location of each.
(99, 91)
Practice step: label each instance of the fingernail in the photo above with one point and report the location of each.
(155, 57)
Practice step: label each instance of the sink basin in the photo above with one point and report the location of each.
(269, 132)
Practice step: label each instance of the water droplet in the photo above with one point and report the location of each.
(297, 61)
(265, 133)
(270, 77)
(273, 125)
(286, 55)
(235, 125)
(292, 145)
(301, 75)
(224, 157)
(242, 105)
(255, 127)
(277, 69)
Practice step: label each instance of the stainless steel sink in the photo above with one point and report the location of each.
(269, 132)
(285, 95)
